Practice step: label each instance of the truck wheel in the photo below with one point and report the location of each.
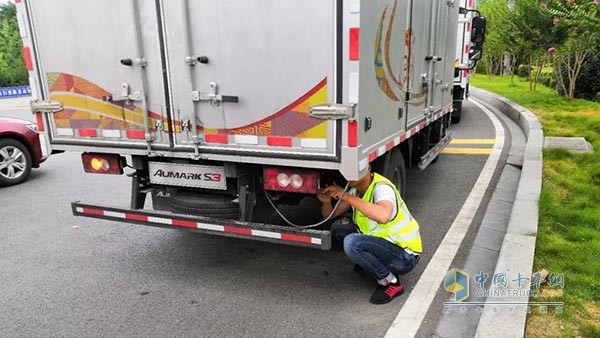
(396, 171)
(457, 112)
(15, 162)
(208, 205)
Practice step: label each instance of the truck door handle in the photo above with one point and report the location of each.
(213, 96)
(230, 99)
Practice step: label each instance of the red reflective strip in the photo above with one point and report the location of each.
(40, 121)
(389, 146)
(182, 223)
(240, 231)
(402, 137)
(17, 1)
(421, 126)
(215, 138)
(468, 26)
(136, 217)
(87, 132)
(470, 3)
(354, 51)
(96, 212)
(465, 73)
(136, 134)
(372, 156)
(352, 134)
(279, 141)
(27, 57)
(467, 47)
(296, 238)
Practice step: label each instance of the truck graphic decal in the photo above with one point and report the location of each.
(394, 86)
(84, 108)
(293, 120)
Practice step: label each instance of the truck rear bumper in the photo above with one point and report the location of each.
(317, 239)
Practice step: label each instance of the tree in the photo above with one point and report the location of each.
(533, 32)
(12, 65)
(523, 30)
(581, 20)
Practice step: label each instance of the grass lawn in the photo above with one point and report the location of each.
(568, 239)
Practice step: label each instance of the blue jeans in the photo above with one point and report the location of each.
(377, 256)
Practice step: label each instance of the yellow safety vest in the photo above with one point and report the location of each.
(403, 230)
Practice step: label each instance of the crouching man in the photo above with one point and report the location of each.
(383, 238)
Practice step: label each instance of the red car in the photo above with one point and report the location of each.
(20, 150)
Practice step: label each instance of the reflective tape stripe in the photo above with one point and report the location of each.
(381, 150)
(246, 139)
(139, 216)
(211, 227)
(160, 220)
(114, 214)
(111, 133)
(64, 132)
(313, 143)
(407, 237)
(87, 132)
(266, 234)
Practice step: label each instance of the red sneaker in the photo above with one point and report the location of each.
(385, 294)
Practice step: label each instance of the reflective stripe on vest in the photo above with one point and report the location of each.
(403, 230)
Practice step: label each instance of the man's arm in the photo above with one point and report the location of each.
(380, 212)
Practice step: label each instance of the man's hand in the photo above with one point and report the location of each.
(324, 198)
(325, 195)
(333, 191)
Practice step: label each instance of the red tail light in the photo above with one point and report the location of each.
(292, 180)
(102, 164)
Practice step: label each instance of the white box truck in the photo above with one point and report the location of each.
(222, 110)
(468, 49)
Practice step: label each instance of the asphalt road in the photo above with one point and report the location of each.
(62, 276)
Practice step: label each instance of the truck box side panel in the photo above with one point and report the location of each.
(446, 42)
(270, 61)
(420, 41)
(81, 45)
(384, 72)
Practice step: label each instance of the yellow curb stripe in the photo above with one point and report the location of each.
(473, 141)
(468, 151)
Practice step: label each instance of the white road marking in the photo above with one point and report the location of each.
(415, 308)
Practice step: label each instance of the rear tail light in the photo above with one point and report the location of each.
(291, 180)
(102, 164)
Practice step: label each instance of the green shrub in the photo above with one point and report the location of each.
(548, 80)
(588, 82)
(523, 70)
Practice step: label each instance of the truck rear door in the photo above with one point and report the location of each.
(244, 74)
(102, 61)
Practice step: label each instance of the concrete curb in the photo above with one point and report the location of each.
(518, 247)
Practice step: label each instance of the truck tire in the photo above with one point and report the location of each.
(457, 112)
(396, 171)
(15, 161)
(208, 205)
